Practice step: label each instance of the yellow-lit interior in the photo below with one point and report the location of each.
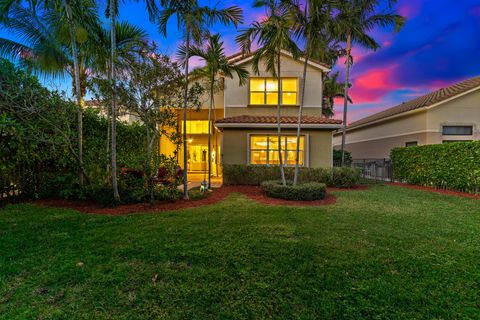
(264, 150)
(264, 91)
(196, 127)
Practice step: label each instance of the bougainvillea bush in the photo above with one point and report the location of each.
(453, 166)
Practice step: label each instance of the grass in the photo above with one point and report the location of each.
(383, 253)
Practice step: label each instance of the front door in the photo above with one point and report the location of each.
(197, 157)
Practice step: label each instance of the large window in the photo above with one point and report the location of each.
(264, 91)
(457, 130)
(196, 127)
(264, 149)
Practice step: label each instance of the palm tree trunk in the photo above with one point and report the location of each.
(113, 44)
(279, 129)
(78, 93)
(345, 99)
(209, 158)
(299, 123)
(185, 106)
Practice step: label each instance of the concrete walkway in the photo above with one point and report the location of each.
(195, 180)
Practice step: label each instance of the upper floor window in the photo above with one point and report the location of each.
(264, 91)
(457, 130)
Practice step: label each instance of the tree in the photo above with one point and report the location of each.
(354, 21)
(310, 24)
(46, 47)
(192, 19)
(332, 89)
(150, 91)
(216, 64)
(61, 10)
(274, 35)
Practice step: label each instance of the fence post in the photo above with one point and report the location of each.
(364, 168)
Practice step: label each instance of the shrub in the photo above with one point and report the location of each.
(197, 194)
(170, 193)
(453, 165)
(308, 191)
(345, 177)
(337, 157)
(237, 174)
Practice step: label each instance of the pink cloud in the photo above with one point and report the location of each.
(409, 10)
(372, 85)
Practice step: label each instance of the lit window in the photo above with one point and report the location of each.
(196, 127)
(264, 91)
(264, 150)
(457, 130)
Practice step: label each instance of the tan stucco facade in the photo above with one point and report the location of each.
(237, 98)
(423, 126)
(318, 145)
(231, 144)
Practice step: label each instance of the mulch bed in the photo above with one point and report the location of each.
(434, 190)
(252, 192)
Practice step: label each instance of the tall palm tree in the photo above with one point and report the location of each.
(274, 35)
(216, 64)
(112, 14)
(332, 89)
(13, 15)
(46, 48)
(354, 21)
(193, 19)
(310, 24)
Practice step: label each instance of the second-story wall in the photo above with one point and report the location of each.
(237, 98)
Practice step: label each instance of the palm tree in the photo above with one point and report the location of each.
(112, 14)
(354, 21)
(193, 19)
(310, 25)
(25, 20)
(332, 89)
(46, 49)
(274, 35)
(216, 64)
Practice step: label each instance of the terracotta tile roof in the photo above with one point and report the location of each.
(421, 102)
(273, 120)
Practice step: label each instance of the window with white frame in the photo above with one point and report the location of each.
(264, 91)
(263, 149)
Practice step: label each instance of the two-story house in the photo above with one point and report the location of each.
(244, 122)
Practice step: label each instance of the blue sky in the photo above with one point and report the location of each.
(439, 45)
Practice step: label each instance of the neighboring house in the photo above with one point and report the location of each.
(123, 115)
(447, 115)
(244, 120)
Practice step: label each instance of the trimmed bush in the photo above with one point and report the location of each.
(237, 174)
(309, 191)
(337, 157)
(453, 166)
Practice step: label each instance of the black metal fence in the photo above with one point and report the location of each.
(19, 184)
(380, 170)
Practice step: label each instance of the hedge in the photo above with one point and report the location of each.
(308, 191)
(237, 174)
(453, 166)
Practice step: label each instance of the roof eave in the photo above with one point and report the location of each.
(403, 114)
(274, 125)
(311, 63)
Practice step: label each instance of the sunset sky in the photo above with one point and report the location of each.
(439, 45)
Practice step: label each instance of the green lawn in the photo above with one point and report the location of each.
(383, 253)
